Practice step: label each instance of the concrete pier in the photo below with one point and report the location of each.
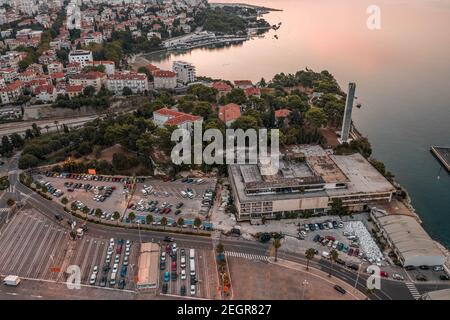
(443, 155)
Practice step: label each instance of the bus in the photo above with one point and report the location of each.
(192, 254)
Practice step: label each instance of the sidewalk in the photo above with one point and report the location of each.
(356, 294)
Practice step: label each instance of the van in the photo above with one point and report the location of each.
(192, 254)
(192, 268)
(184, 194)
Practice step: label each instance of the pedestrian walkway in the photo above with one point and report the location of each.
(413, 290)
(4, 209)
(248, 256)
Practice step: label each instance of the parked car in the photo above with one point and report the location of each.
(397, 276)
(444, 277)
(421, 277)
(166, 276)
(339, 289)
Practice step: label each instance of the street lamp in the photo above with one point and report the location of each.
(304, 284)
(357, 276)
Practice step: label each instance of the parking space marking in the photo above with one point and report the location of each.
(413, 290)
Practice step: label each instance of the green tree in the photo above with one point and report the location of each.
(64, 201)
(220, 248)
(116, 215)
(197, 223)
(316, 117)
(180, 222)
(132, 216)
(309, 254)
(98, 212)
(27, 161)
(17, 141)
(85, 210)
(237, 96)
(89, 91)
(149, 219)
(337, 208)
(6, 147)
(202, 109)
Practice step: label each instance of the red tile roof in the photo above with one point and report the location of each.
(229, 112)
(282, 113)
(45, 88)
(252, 92)
(164, 74)
(243, 83)
(58, 75)
(128, 76)
(74, 88)
(89, 75)
(221, 86)
(176, 117)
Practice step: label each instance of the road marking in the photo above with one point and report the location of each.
(248, 256)
(413, 290)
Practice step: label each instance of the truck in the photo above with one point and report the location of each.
(11, 280)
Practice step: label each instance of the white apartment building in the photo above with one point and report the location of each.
(164, 79)
(137, 82)
(185, 72)
(83, 57)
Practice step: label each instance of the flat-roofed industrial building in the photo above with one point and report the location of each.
(148, 266)
(407, 239)
(308, 178)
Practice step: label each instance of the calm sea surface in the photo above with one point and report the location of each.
(402, 73)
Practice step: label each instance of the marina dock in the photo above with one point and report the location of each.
(443, 155)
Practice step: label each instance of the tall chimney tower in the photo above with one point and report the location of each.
(347, 121)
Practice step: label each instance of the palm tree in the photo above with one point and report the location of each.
(56, 124)
(149, 219)
(309, 254)
(276, 245)
(85, 210)
(333, 257)
(131, 216)
(98, 212)
(164, 222)
(47, 127)
(180, 222)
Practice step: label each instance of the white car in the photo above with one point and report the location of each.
(340, 225)
(111, 241)
(127, 251)
(397, 276)
(303, 233)
(108, 258)
(115, 266)
(93, 278)
(95, 270)
(117, 258)
(128, 243)
(193, 290)
(110, 250)
(183, 274)
(163, 256)
(174, 247)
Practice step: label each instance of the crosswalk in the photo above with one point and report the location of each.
(248, 256)
(4, 209)
(413, 290)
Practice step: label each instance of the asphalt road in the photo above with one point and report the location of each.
(390, 289)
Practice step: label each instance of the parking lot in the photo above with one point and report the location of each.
(184, 272)
(32, 246)
(172, 199)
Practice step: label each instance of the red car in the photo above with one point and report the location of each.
(384, 274)
(119, 249)
(130, 205)
(350, 252)
(356, 252)
(168, 249)
(174, 266)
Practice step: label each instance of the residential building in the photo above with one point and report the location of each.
(137, 82)
(222, 88)
(9, 74)
(55, 67)
(46, 93)
(185, 72)
(252, 92)
(165, 116)
(229, 113)
(73, 90)
(243, 84)
(164, 79)
(84, 57)
(11, 92)
(110, 67)
(94, 78)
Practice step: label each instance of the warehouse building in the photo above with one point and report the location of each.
(407, 239)
(308, 179)
(148, 266)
